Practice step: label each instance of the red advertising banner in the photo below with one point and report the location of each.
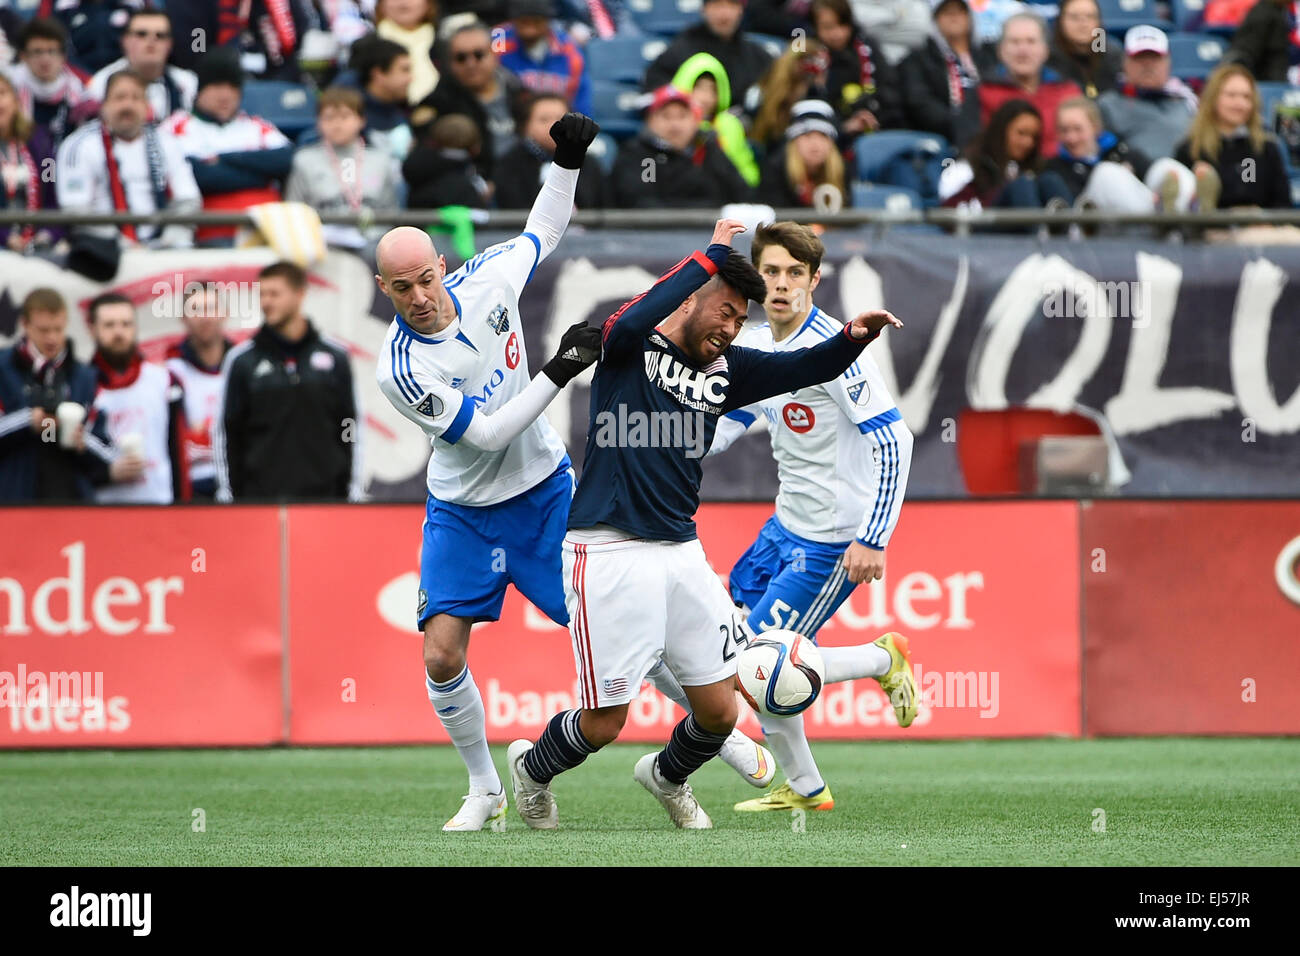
(140, 627)
(987, 593)
(1193, 617)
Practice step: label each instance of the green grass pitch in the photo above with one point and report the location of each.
(1165, 802)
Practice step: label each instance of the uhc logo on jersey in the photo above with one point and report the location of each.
(498, 319)
(694, 388)
(798, 418)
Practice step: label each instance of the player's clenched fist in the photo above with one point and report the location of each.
(579, 347)
(726, 230)
(868, 324)
(573, 133)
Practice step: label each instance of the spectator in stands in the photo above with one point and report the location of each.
(238, 160)
(795, 76)
(1150, 109)
(474, 83)
(340, 173)
(51, 92)
(672, 163)
(94, 29)
(901, 26)
(146, 43)
(1082, 51)
(703, 77)
(1268, 42)
(119, 163)
(1002, 167)
(143, 406)
(41, 457)
(290, 422)
(1103, 172)
(544, 57)
(863, 84)
(411, 24)
(441, 170)
(382, 70)
(195, 361)
(267, 35)
(718, 33)
(522, 169)
(1235, 161)
(1022, 74)
(809, 171)
(26, 167)
(940, 81)
(777, 18)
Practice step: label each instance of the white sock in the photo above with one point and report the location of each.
(852, 663)
(667, 685)
(786, 738)
(460, 708)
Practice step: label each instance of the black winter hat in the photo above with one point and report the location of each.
(220, 66)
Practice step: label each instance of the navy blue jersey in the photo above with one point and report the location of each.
(653, 411)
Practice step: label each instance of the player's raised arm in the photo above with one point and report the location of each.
(549, 217)
(625, 329)
(759, 375)
(444, 412)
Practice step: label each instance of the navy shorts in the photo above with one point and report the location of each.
(470, 554)
(790, 582)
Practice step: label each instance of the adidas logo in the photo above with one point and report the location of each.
(573, 355)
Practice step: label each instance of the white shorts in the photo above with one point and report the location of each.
(634, 602)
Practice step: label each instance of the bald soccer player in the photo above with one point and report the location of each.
(499, 479)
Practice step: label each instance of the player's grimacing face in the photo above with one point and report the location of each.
(790, 283)
(716, 319)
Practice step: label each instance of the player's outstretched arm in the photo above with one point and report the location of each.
(549, 217)
(443, 412)
(626, 328)
(731, 427)
(759, 375)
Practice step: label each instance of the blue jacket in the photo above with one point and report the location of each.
(561, 70)
(32, 469)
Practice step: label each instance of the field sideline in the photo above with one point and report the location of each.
(1173, 801)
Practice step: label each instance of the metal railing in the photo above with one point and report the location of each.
(961, 221)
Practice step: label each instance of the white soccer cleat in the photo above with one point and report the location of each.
(534, 801)
(749, 758)
(480, 811)
(677, 799)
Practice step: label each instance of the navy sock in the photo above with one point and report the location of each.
(689, 748)
(561, 747)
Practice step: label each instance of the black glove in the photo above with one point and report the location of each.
(573, 133)
(579, 347)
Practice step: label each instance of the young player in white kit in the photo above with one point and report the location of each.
(843, 455)
(499, 479)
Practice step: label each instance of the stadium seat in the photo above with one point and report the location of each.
(1118, 15)
(290, 107)
(665, 17)
(616, 107)
(604, 148)
(623, 59)
(906, 158)
(892, 198)
(1195, 55)
(1188, 15)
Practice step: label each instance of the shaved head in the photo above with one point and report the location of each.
(410, 274)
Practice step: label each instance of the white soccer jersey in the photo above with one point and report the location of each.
(203, 138)
(202, 403)
(141, 408)
(478, 363)
(842, 450)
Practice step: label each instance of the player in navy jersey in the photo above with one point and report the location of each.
(638, 587)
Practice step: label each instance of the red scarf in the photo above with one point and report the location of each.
(111, 378)
(115, 186)
(866, 70)
(16, 153)
(956, 95)
(601, 19)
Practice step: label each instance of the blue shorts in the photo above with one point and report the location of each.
(470, 554)
(790, 582)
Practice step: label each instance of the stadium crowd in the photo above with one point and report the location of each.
(349, 105)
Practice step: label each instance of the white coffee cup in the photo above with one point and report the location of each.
(132, 443)
(68, 416)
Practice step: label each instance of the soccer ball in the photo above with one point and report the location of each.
(780, 673)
